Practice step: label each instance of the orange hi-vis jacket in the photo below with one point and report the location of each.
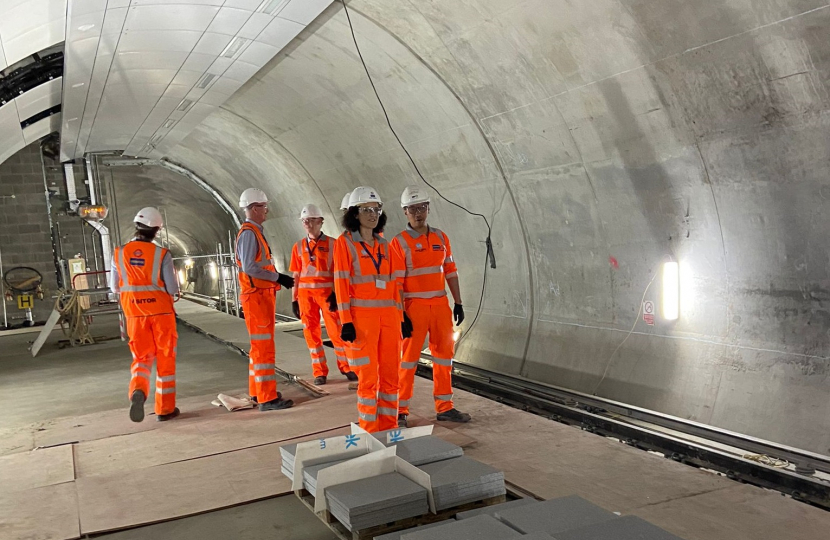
(358, 282)
(140, 283)
(249, 284)
(314, 261)
(429, 262)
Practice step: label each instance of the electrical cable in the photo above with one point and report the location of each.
(636, 320)
(489, 244)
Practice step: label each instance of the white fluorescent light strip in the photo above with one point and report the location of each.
(206, 79)
(671, 291)
(155, 140)
(170, 123)
(270, 6)
(233, 47)
(184, 104)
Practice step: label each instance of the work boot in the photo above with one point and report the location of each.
(276, 404)
(254, 400)
(137, 406)
(453, 415)
(168, 416)
(351, 375)
(402, 422)
(320, 381)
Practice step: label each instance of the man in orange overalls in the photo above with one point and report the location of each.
(367, 280)
(312, 261)
(259, 282)
(143, 276)
(429, 263)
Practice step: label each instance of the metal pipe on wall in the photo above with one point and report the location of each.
(234, 278)
(3, 292)
(90, 179)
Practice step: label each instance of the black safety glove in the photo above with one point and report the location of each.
(332, 300)
(348, 333)
(406, 327)
(285, 281)
(458, 314)
(295, 307)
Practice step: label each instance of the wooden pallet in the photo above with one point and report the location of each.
(367, 534)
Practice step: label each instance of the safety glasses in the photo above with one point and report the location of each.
(368, 210)
(418, 209)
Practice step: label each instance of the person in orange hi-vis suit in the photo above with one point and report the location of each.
(259, 282)
(312, 261)
(143, 275)
(367, 280)
(429, 263)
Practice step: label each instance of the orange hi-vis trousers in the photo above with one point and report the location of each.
(259, 307)
(154, 338)
(436, 319)
(375, 357)
(312, 302)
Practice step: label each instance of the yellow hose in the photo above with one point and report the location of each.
(73, 321)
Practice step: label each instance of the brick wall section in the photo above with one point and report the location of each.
(25, 238)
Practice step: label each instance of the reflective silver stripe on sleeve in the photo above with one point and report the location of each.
(168, 378)
(409, 365)
(122, 269)
(359, 361)
(397, 274)
(443, 397)
(355, 257)
(156, 276)
(406, 251)
(427, 294)
(170, 390)
(264, 378)
(442, 361)
(451, 275)
(388, 397)
(403, 403)
(341, 275)
(261, 337)
(344, 307)
(366, 401)
(258, 367)
(386, 411)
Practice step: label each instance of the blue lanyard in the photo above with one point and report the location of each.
(380, 256)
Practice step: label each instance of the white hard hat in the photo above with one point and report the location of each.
(413, 195)
(149, 217)
(344, 204)
(251, 196)
(364, 194)
(310, 211)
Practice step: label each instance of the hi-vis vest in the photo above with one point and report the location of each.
(314, 261)
(248, 284)
(140, 281)
(429, 262)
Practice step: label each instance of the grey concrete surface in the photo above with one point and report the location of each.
(281, 517)
(616, 129)
(601, 139)
(73, 382)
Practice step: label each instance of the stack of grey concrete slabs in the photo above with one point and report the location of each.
(555, 516)
(463, 480)
(375, 500)
(476, 528)
(427, 449)
(287, 453)
(495, 509)
(310, 475)
(624, 528)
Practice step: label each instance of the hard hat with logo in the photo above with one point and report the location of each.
(414, 195)
(344, 204)
(310, 211)
(251, 196)
(149, 217)
(364, 194)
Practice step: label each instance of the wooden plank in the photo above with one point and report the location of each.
(44, 513)
(37, 468)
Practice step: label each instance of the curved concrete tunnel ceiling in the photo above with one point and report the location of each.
(193, 219)
(601, 139)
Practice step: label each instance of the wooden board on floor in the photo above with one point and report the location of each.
(179, 440)
(37, 468)
(173, 490)
(44, 513)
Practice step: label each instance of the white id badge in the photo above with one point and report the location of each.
(380, 284)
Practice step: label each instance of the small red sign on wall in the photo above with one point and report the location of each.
(648, 312)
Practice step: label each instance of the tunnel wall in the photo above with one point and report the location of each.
(600, 139)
